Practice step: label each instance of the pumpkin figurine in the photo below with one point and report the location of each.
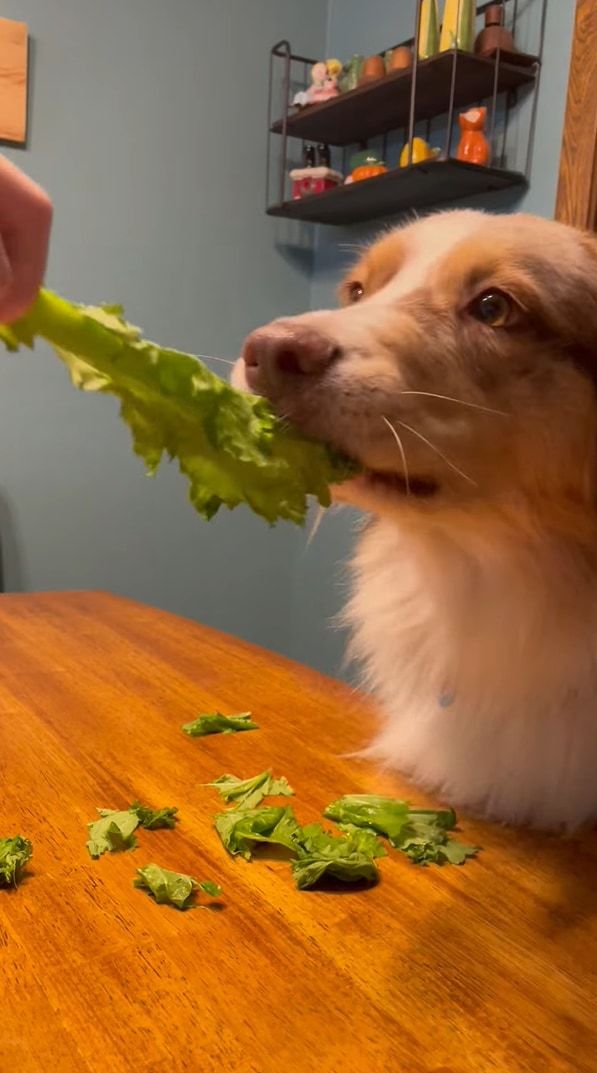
(366, 165)
(473, 147)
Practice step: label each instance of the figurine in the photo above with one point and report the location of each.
(420, 151)
(473, 146)
(494, 35)
(458, 27)
(365, 165)
(350, 74)
(428, 29)
(307, 181)
(372, 69)
(398, 59)
(324, 84)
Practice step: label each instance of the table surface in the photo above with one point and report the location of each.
(489, 967)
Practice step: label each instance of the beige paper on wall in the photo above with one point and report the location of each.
(13, 80)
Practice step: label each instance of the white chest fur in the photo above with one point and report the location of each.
(509, 634)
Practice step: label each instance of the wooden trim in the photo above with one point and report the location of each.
(576, 201)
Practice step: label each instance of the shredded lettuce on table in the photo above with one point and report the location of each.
(216, 723)
(248, 793)
(15, 853)
(423, 835)
(229, 445)
(348, 856)
(173, 888)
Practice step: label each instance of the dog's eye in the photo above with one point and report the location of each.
(355, 291)
(492, 308)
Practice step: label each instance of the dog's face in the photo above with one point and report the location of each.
(462, 364)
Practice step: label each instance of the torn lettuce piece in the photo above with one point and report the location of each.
(240, 829)
(248, 793)
(15, 853)
(421, 834)
(230, 446)
(173, 888)
(113, 832)
(216, 723)
(348, 857)
(153, 818)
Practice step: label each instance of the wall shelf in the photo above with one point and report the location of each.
(418, 186)
(378, 107)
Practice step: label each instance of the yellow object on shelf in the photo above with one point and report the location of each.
(421, 151)
(458, 27)
(428, 29)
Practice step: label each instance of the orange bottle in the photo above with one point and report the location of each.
(473, 146)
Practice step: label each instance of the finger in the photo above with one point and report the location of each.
(25, 241)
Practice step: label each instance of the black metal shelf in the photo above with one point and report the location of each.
(418, 186)
(378, 107)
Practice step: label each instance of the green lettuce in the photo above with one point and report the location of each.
(229, 445)
(421, 834)
(248, 793)
(113, 832)
(173, 888)
(240, 829)
(348, 856)
(153, 818)
(216, 723)
(14, 855)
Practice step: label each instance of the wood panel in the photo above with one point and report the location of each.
(490, 968)
(576, 202)
(13, 81)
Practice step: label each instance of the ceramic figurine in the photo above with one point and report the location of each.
(399, 59)
(494, 35)
(324, 84)
(372, 69)
(366, 165)
(428, 29)
(473, 146)
(307, 181)
(458, 27)
(420, 151)
(350, 74)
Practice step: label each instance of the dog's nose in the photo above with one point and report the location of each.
(297, 350)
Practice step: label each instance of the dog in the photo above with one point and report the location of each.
(460, 372)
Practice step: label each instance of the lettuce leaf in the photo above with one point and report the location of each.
(230, 446)
(248, 793)
(421, 834)
(216, 723)
(173, 888)
(113, 832)
(240, 829)
(348, 857)
(153, 818)
(14, 855)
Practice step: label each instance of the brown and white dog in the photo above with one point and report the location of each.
(461, 372)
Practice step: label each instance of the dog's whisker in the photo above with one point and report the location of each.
(352, 246)
(212, 357)
(432, 446)
(461, 402)
(402, 453)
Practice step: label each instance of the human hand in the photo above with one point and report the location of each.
(25, 222)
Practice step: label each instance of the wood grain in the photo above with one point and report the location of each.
(576, 201)
(490, 968)
(13, 81)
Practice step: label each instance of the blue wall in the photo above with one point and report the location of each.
(148, 129)
(355, 26)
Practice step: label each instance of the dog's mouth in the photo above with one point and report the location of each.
(396, 484)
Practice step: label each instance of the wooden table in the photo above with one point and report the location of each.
(489, 967)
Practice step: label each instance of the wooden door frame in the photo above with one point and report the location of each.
(576, 201)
